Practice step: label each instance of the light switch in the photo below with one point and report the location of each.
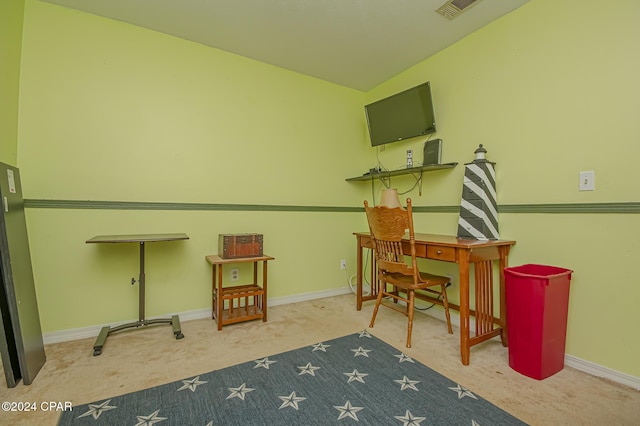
(587, 181)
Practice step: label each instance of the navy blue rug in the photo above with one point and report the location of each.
(357, 379)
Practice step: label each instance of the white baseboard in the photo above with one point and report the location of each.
(600, 371)
(570, 360)
(303, 297)
(93, 331)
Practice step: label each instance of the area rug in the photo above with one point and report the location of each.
(357, 379)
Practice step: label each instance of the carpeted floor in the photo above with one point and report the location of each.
(356, 378)
(140, 359)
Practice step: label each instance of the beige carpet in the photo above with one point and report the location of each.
(138, 359)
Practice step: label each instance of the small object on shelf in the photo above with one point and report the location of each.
(432, 152)
(232, 246)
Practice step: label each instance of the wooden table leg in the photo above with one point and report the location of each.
(504, 255)
(264, 290)
(465, 350)
(214, 293)
(359, 275)
(220, 301)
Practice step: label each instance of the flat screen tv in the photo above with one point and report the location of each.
(401, 116)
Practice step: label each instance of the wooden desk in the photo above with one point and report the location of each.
(141, 239)
(446, 248)
(254, 296)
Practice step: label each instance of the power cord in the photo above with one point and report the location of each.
(433, 304)
(350, 279)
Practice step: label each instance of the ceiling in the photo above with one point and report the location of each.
(353, 43)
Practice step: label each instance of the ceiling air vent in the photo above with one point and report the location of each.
(454, 8)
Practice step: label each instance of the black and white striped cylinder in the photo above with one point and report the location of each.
(479, 207)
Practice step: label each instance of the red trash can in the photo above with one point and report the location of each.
(537, 299)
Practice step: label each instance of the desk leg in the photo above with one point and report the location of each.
(504, 255)
(106, 331)
(359, 275)
(141, 285)
(465, 350)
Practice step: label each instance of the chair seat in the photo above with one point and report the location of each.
(406, 281)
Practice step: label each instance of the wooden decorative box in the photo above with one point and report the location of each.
(233, 246)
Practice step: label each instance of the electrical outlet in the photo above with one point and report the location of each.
(587, 181)
(409, 158)
(235, 274)
(343, 263)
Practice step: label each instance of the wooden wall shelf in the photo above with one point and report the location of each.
(407, 171)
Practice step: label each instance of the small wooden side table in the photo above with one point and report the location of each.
(241, 302)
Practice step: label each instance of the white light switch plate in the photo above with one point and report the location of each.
(588, 181)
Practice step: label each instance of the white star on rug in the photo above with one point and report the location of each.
(403, 358)
(361, 352)
(355, 376)
(409, 420)
(290, 401)
(320, 347)
(365, 333)
(150, 420)
(405, 383)
(239, 392)
(308, 369)
(348, 410)
(264, 362)
(96, 409)
(462, 392)
(192, 384)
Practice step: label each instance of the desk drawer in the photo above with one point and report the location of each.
(447, 254)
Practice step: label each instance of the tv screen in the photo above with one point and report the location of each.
(401, 116)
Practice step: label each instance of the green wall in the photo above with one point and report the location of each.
(550, 90)
(114, 113)
(11, 14)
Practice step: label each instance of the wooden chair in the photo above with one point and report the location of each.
(388, 227)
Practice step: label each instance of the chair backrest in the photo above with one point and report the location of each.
(388, 227)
